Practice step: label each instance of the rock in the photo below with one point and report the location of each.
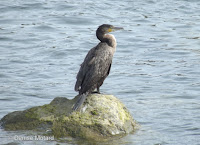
(100, 118)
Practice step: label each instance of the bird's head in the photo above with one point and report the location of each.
(106, 28)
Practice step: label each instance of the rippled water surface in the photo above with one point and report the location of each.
(155, 70)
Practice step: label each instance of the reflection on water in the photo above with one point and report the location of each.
(155, 69)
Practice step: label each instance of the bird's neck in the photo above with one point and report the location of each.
(109, 39)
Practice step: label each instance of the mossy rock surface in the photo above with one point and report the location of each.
(101, 117)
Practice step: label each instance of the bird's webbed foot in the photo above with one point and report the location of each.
(97, 91)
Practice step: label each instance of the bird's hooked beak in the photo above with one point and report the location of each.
(115, 29)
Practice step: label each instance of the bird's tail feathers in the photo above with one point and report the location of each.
(79, 102)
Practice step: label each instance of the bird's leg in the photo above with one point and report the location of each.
(98, 91)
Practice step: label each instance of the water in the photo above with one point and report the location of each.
(155, 70)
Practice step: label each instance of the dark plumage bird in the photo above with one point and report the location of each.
(96, 65)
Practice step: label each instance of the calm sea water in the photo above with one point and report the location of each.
(155, 70)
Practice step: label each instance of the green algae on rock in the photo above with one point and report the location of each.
(100, 117)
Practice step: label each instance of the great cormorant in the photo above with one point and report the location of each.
(96, 65)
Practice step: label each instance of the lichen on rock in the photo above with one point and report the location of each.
(100, 117)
